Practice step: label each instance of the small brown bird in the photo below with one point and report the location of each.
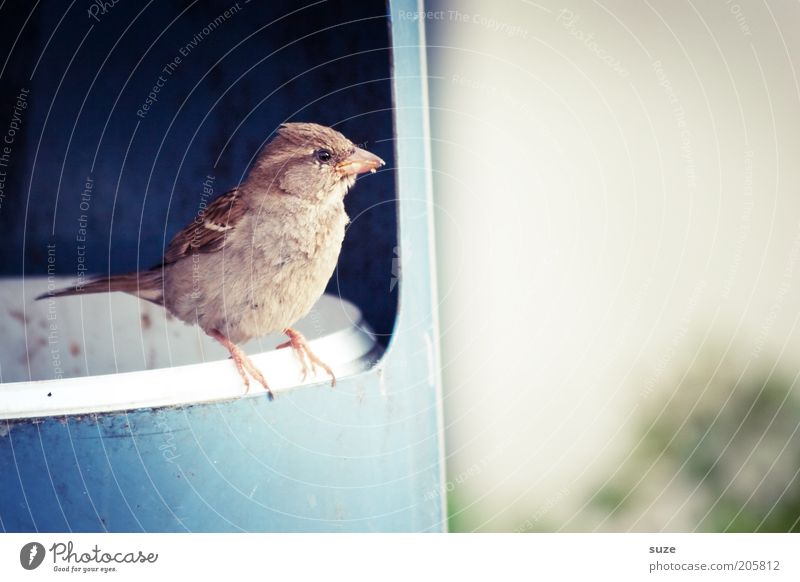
(258, 257)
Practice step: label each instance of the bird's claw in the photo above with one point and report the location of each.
(307, 358)
(243, 364)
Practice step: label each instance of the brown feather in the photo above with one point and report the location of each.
(145, 284)
(205, 234)
(209, 230)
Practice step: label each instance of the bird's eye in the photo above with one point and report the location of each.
(323, 155)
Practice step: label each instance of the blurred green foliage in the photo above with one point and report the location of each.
(718, 453)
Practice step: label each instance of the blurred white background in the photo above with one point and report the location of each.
(617, 203)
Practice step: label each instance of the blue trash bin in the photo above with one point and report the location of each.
(115, 418)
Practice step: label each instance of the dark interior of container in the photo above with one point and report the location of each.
(72, 105)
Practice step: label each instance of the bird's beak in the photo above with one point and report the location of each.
(358, 162)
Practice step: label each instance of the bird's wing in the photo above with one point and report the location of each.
(208, 232)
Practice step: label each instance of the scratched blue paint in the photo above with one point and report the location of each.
(364, 456)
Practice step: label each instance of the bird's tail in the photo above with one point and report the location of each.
(146, 284)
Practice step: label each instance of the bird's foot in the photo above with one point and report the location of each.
(243, 363)
(307, 358)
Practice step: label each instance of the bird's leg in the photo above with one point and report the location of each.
(242, 362)
(237, 355)
(304, 354)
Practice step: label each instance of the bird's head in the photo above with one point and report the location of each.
(314, 161)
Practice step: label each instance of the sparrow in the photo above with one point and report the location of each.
(258, 257)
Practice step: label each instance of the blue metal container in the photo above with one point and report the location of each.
(128, 439)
